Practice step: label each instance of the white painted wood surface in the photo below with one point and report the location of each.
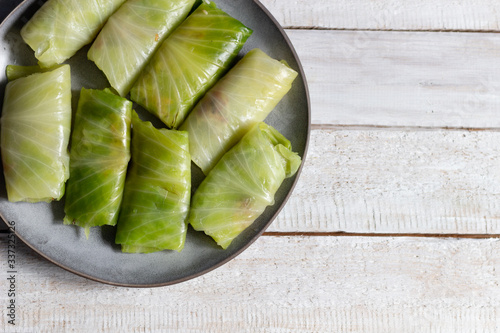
(286, 284)
(395, 181)
(429, 79)
(426, 15)
(406, 126)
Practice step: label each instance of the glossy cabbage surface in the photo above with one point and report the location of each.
(188, 63)
(242, 184)
(242, 98)
(35, 130)
(100, 152)
(157, 190)
(61, 27)
(131, 35)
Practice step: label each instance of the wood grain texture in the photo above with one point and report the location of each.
(394, 181)
(283, 284)
(401, 78)
(429, 15)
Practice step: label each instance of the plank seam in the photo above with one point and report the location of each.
(472, 31)
(401, 128)
(362, 234)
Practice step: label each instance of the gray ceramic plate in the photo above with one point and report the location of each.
(40, 225)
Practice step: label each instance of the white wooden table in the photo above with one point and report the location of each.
(394, 224)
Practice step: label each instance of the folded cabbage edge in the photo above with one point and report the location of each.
(243, 97)
(13, 72)
(242, 184)
(188, 63)
(61, 27)
(100, 151)
(35, 131)
(131, 35)
(157, 190)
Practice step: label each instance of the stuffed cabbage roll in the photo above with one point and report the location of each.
(157, 190)
(242, 184)
(242, 98)
(61, 27)
(100, 151)
(35, 130)
(131, 35)
(188, 63)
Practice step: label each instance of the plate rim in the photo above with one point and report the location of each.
(247, 244)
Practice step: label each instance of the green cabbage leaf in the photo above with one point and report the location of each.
(242, 98)
(35, 131)
(132, 34)
(188, 63)
(61, 27)
(242, 184)
(99, 156)
(157, 190)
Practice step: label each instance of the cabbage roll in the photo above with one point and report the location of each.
(100, 151)
(131, 35)
(242, 184)
(35, 130)
(61, 27)
(157, 190)
(188, 63)
(242, 98)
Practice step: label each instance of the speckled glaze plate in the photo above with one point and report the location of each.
(98, 258)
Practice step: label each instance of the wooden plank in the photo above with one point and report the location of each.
(282, 284)
(401, 78)
(396, 181)
(461, 15)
